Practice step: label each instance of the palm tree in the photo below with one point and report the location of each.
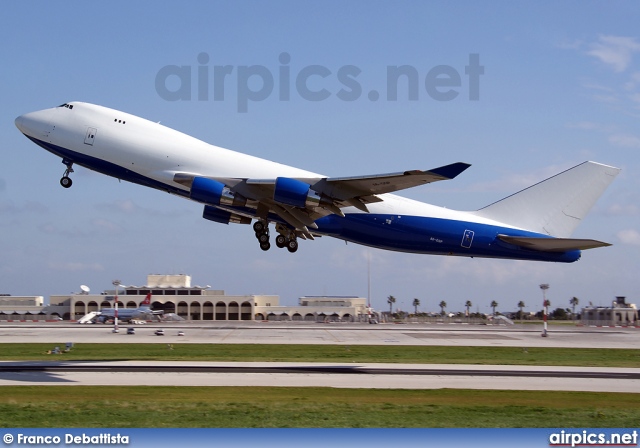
(521, 305)
(416, 304)
(468, 305)
(494, 304)
(391, 300)
(442, 306)
(573, 302)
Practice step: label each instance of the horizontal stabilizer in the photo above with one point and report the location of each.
(552, 244)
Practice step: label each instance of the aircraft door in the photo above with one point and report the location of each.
(467, 239)
(90, 136)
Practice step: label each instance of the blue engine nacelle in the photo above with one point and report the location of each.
(296, 193)
(223, 217)
(212, 192)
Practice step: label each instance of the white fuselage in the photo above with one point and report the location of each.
(137, 150)
(157, 152)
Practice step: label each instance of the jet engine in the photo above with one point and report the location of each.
(212, 192)
(223, 217)
(296, 193)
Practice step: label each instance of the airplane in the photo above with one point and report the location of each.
(235, 188)
(144, 312)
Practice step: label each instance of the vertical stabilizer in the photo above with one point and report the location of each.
(555, 206)
(146, 303)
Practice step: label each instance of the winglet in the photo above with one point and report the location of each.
(450, 171)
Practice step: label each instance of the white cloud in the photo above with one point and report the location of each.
(606, 99)
(632, 84)
(9, 207)
(104, 224)
(629, 236)
(588, 84)
(126, 206)
(625, 140)
(615, 51)
(624, 210)
(485, 271)
(591, 126)
(129, 207)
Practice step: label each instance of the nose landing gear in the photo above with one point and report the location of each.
(66, 181)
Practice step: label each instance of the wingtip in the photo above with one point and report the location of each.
(450, 171)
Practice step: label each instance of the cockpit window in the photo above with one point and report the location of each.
(68, 106)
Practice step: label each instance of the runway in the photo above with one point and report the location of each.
(370, 376)
(349, 375)
(335, 334)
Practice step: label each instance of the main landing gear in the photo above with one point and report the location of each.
(290, 243)
(262, 234)
(288, 240)
(66, 181)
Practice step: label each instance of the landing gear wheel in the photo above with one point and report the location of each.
(259, 227)
(292, 246)
(66, 182)
(281, 241)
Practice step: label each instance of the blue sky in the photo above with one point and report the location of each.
(561, 85)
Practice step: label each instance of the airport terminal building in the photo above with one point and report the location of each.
(27, 308)
(619, 314)
(174, 295)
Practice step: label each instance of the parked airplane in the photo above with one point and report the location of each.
(143, 312)
(534, 224)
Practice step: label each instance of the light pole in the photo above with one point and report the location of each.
(116, 283)
(544, 288)
(369, 285)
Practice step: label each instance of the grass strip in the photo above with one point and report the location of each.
(581, 357)
(284, 407)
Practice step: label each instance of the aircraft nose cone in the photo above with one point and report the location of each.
(20, 123)
(35, 124)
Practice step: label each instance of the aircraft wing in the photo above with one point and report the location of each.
(552, 244)
(345, 187)
(300, 201)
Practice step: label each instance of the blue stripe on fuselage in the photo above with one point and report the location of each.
(423, 235)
